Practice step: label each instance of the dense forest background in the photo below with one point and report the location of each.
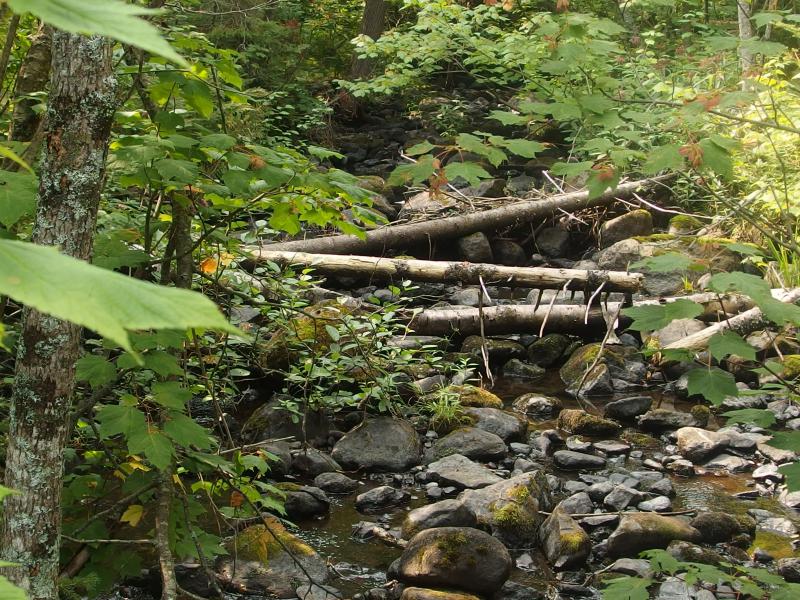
(170, 143)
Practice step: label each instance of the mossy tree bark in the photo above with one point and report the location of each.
(33, 75)
(80, 113)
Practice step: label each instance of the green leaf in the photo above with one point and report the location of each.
(764, 47)
(419, 149)
(220, 141)
(112, 18)
(471, 172)
(106, 302)
(4, 491)
(17, 196)
(179, 171)
(627, 588)
(729, 342)
(96, 370)
(185, 432)
(665, 263)
(151, 442)
(713, 384)
(472, 143)
(8, 153)
(198, 96)
(8, 591)
(652, 317)
(749, 285)
(745, 249)
(162, 363)
(762, 418)
(792, 474)
(414, 173)
(564, 169)
(786, 440)
(509, 118)
(663, 158)
(284, 218)
(601, 180)
(788, 591)
(170, 394)
(524, 148)
(122, 419)
(662, 561)
(716, 158)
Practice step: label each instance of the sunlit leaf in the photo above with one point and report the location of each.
(713, 384)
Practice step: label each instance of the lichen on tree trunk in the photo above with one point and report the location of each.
(80, 112)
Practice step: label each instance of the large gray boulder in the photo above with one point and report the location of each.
(461, 472)
(511, 509)
(455, 557)
(447, 513)
(506, 426)
(470, 442)
(379, 444)
(645, 531)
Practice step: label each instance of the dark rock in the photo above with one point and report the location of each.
(312, 462)
(498, 350)
(304, 500)
(379, 444)
(475, 248)
(336, 483)
(789, 569)
(628, 408)
(520, 370)
(271, 420)
(380, 497)
(546, 351)
(509, 253)
(572, 461)
(470, 296)
(458, 557)
(318, 592)
(621, 497)
(553, 241)
(470, 442)
(688, 552)
(447, 513)
(416, 593)
(505, 425)
(661, 419)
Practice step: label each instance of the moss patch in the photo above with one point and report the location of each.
(470, 395)
(261, 544)
(776, 545)
(685, 223)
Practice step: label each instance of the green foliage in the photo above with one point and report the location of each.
(110, 18)
(712, 383)
(726, 343)
(652, 317)
(117, 304)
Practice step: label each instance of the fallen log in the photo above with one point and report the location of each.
(743, 324)
(398, 236)
(523, 318)
(464, 272)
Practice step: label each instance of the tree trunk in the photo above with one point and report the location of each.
(401, 236)
(744, 9)
(33, 75)
(369, 267)
(372, 24)
(80, 114)
(11, 36)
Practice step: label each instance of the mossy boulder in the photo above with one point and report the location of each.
(510, 508)
(470, 395)
(566, 545)
(716, 526)
(548, 350)
(461, 558)
(684, 225)
(305, 331)
(447, 513)
(272, 421)
(498, 350)
(580, 422)
(791, 366)
(644, 531)
(266, 559)
(593, 369)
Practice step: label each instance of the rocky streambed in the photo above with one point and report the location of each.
(540, 496)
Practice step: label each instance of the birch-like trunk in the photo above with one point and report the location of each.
(744, 10)
(80, 113)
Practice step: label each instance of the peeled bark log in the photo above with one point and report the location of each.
(399, 236)
(743, 324)
(442, 271)
(80, 112)
(526, 318)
